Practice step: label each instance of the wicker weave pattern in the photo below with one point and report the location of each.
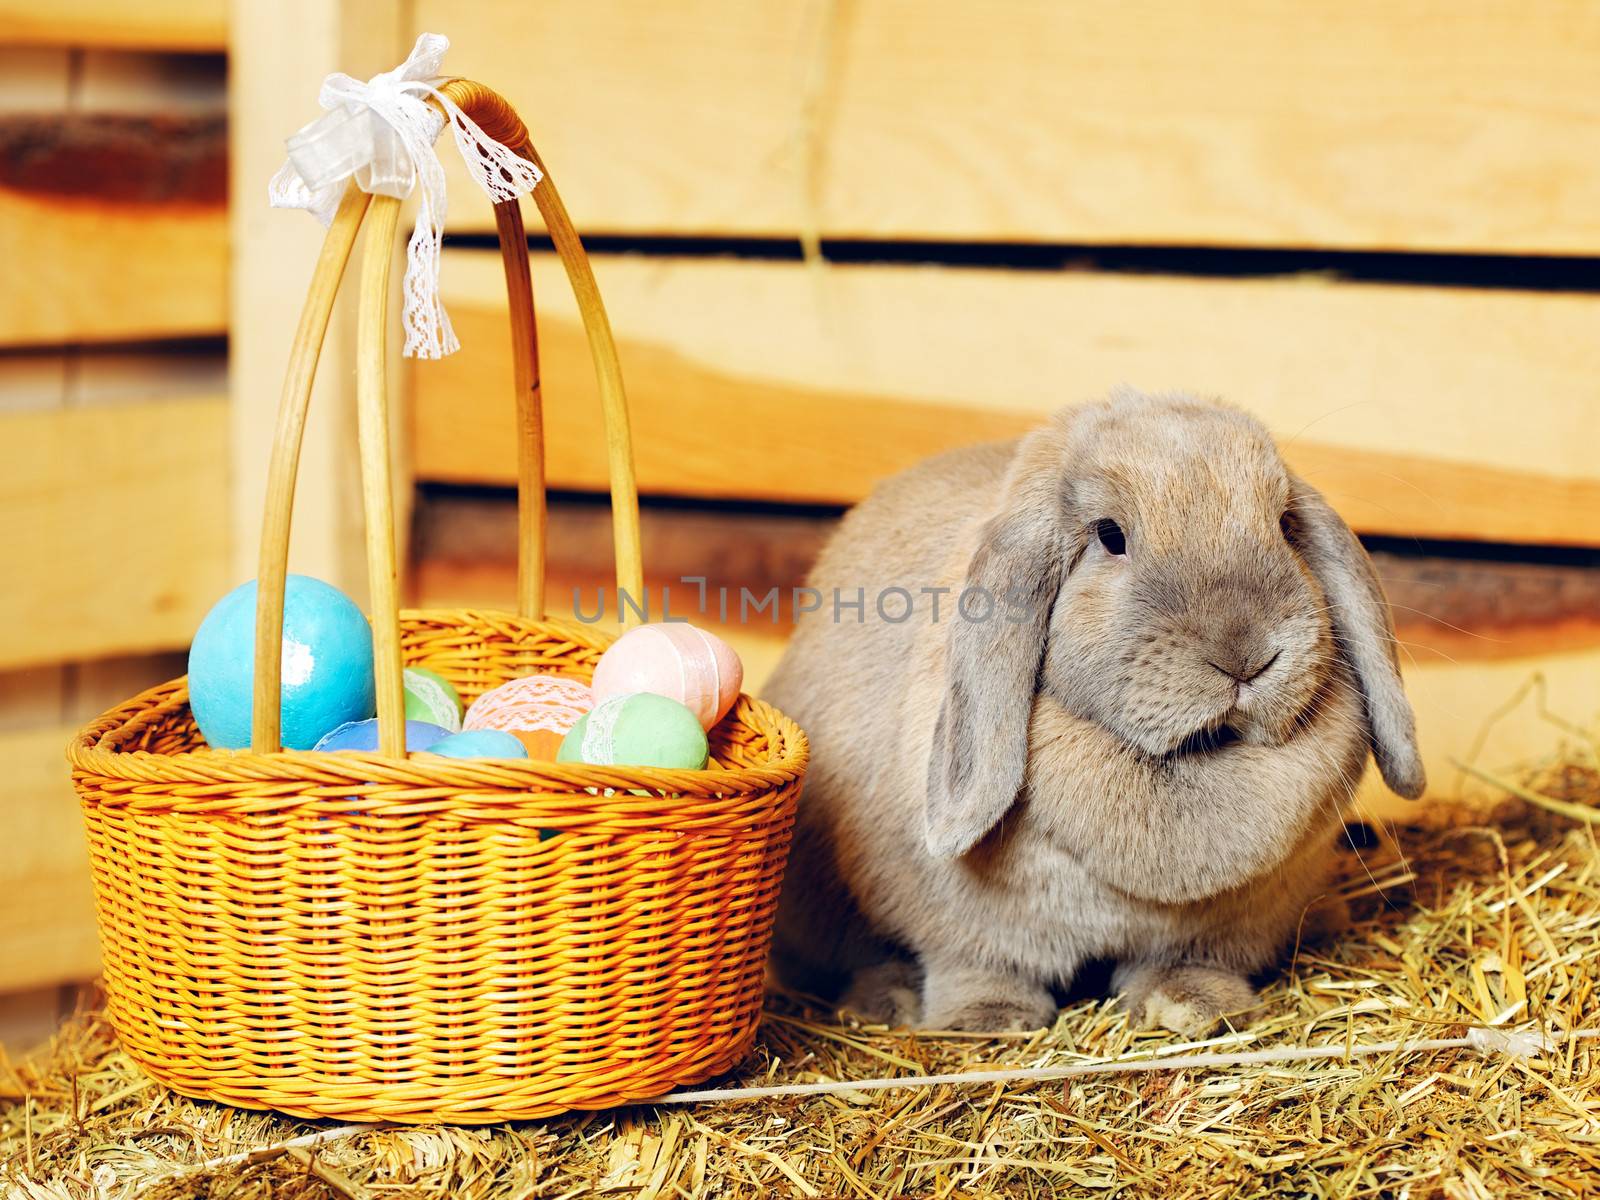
(433, 939)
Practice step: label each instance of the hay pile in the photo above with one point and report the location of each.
(1468, 914)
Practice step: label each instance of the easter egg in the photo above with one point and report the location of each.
(327, 665)
(480, 743)
(537, 709)
(637, 730)
(429, 697)
(541, 744)
(673, 659)
(363, 735)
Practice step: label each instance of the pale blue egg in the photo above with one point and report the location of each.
(480, 743)
(327, 665)
(363, 735)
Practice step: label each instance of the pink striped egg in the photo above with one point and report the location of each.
(676, 660)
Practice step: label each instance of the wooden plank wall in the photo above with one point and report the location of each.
(112, 207)
(113, 175)
(1371, 126)
(113, 422)
(1368, 124)
(1396, 400)
(195, 25)
(120, 540)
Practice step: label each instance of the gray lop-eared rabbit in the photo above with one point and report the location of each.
(1157, 665)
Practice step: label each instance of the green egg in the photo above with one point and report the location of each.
(429, 697)
(639, 729)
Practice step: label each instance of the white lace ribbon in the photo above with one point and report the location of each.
(381, 134)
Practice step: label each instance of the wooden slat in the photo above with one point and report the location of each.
(113, 186)
(46, 902)
(29, 1018)
(145, 24)
(33, 697)
(1412, 124)
(46, 914)
(35, 79)
(84, 271)
(1426, 412)
(117, 527)
(103, 683)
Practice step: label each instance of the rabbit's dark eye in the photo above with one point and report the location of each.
(1110, 535)
(1290, 527)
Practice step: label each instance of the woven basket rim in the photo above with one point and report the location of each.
(356, 767)
(340, 768)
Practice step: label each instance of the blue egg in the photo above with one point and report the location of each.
(327, 665)
(363, 735)
(480, 743)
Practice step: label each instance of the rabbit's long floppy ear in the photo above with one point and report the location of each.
(1364, 632)
(995, 645)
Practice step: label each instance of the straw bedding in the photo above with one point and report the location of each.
(1467, 912)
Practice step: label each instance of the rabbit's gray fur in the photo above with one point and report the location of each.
(993, 802)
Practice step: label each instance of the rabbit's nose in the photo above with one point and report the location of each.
(1242, 668)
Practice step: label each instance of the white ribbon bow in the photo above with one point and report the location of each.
(381, 133)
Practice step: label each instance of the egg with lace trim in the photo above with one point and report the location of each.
(433, 698)
(537, 710)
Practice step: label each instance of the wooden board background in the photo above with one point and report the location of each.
(118, 527)
(142, 24)
(113, 229)
(1377, 124)
(121, 257)
(1448, 413)
(85, 271)
(47, 928)
(47, 905)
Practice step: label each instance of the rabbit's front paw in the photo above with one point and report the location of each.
(1188, 1000)
(886, 993)
(984, 1001)
(998, 1016)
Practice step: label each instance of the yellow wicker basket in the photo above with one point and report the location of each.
(383, 937)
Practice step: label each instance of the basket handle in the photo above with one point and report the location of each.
(501, 122)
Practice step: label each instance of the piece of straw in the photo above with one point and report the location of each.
(1586, 813)
(1485, 1040)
